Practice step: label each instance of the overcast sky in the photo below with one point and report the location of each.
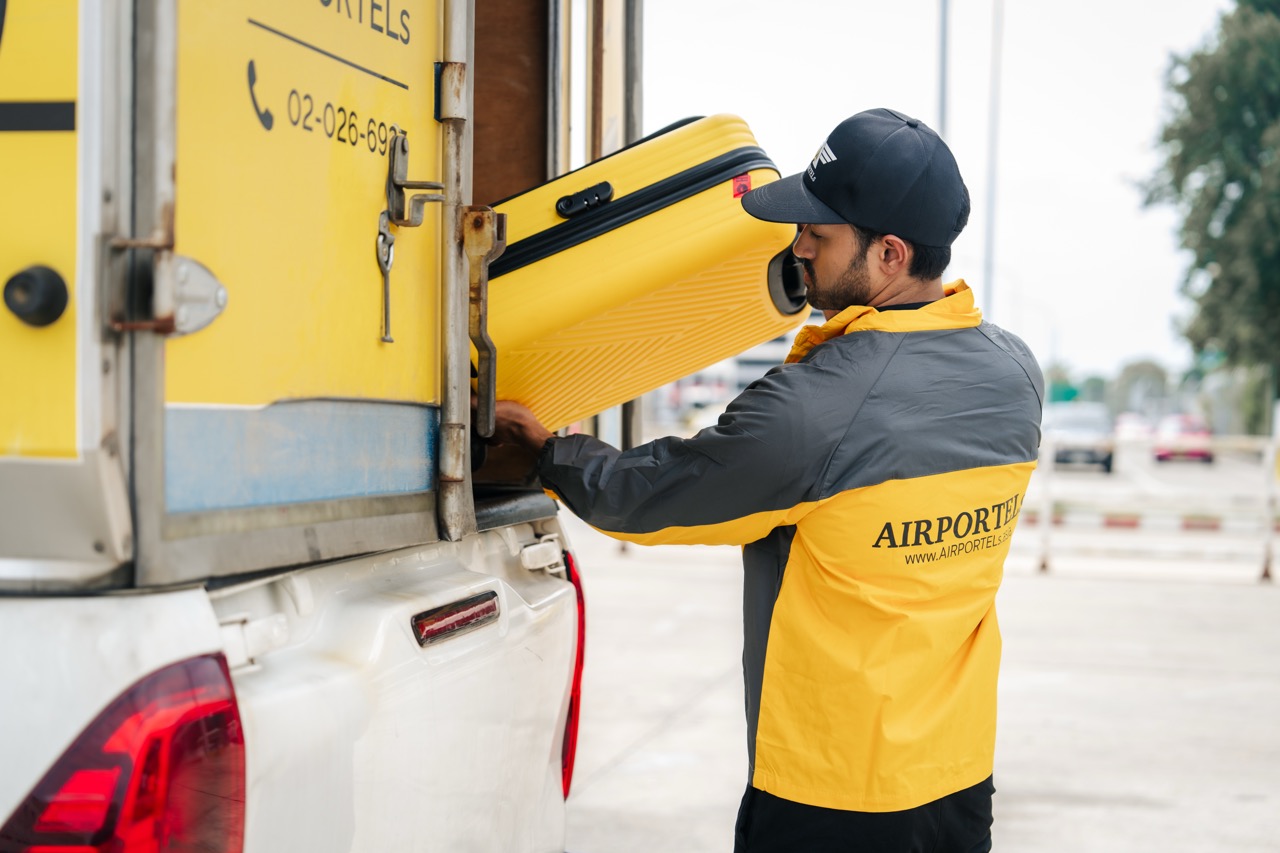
(1085, 274)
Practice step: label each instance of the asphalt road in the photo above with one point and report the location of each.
(1139, 696)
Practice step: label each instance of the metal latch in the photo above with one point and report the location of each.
(386, 245)
(547, 554)
(484, 237)
(403, 209)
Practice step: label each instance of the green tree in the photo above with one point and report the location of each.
(1094, 389)
(1221, 146)
(1142, 387)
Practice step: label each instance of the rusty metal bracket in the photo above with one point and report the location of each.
(451, 91)
(404, 209)
(159, 240)
(484, 237)
(162, 326)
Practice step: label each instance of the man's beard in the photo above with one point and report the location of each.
(853, 287)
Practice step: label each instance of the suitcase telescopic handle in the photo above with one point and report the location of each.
(484, 237)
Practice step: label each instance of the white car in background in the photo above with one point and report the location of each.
(1080, 433)
(1131, 426)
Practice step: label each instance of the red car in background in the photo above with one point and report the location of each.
(1183, 437)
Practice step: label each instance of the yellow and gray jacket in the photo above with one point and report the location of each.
(874, 480)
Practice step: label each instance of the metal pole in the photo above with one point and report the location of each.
(633, 103)
(633, 75)
(595, 80)
(633, 109)
(1271, 471)
(1045, 513)
(942, 68)
(456, 509)
(993, 133)
(559, 100)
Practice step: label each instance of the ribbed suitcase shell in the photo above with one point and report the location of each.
(668, 277)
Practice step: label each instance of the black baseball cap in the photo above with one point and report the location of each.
(880, 170)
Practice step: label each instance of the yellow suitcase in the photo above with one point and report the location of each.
(638, 269)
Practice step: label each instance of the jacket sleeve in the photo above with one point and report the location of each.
(732, 483)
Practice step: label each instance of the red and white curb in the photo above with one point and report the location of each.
(1155, 522)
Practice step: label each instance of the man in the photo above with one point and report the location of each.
(874, 481)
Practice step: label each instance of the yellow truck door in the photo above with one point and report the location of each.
(64, 514)
(296, 324)
(38, 63)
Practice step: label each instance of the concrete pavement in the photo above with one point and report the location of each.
(1139, 704)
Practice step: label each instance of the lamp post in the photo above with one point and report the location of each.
(942, 68)
(993, 133)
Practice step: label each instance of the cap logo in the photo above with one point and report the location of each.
(824, 156)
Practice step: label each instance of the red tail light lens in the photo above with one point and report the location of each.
(570, 748)
(161, 770)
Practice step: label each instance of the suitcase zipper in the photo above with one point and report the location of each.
(629, 208)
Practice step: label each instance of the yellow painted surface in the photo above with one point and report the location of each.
(665, 295)
(286, 217)
(38, 56)
(629, 311)
(38, 51)
(534, 211)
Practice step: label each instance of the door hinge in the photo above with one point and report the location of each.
(198, 299)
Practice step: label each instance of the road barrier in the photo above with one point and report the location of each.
(1249, 512)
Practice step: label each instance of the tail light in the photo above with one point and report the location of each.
(570, 747)
(161, 770)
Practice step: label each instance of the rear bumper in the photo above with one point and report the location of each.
(1082, 455)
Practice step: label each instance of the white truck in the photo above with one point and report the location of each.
(251, 598)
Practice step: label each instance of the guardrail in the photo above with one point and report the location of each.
(1251, 512)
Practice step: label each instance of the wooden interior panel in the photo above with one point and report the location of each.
(510, 79)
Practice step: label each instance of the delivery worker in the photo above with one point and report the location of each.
(873, 481)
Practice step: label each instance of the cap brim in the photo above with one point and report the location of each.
(789, 200)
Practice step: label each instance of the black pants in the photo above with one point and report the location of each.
(957, 823)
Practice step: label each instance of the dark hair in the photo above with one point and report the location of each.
(927, 262)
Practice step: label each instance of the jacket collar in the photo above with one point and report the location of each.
(956, 310)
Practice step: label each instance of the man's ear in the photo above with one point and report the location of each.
(895, 254)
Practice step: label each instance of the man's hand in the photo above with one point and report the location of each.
(515, 424)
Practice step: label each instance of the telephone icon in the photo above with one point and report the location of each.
(264, 116)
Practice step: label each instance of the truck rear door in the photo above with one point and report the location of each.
(291, 386)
